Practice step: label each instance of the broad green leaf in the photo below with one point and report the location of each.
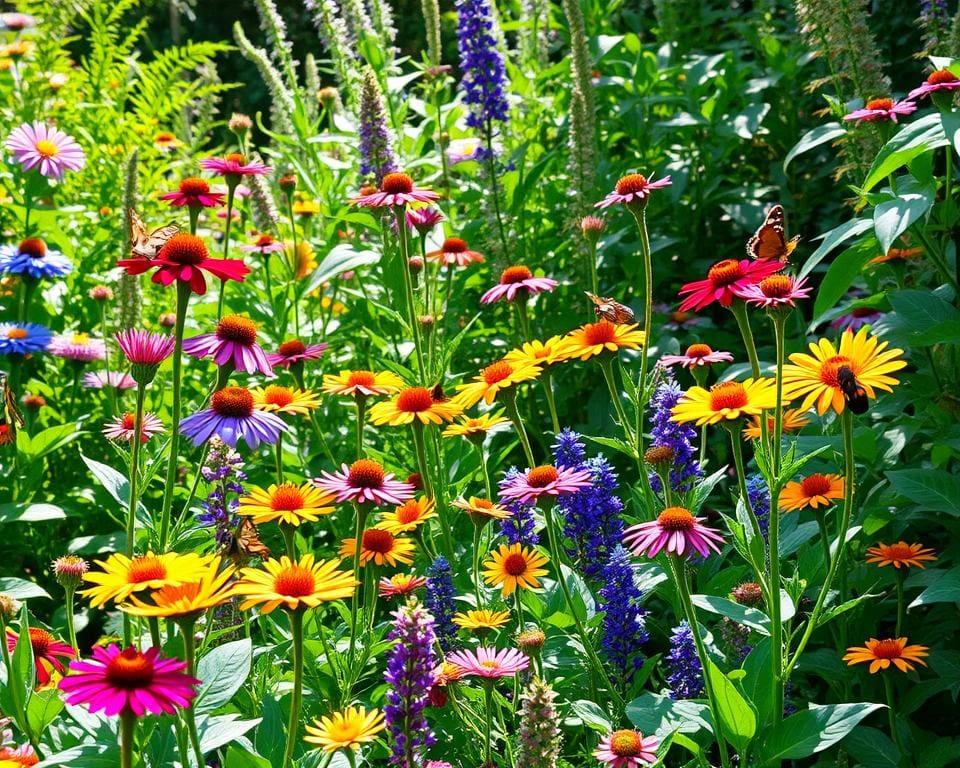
(945, 589)
(756, 681)
(240, 758)
(592, 715)
(222, 729)
(812, 731)
(841, 274)
(85, 756)
(115, 483)
(30, 513)
(844, 607)
(832, 239)
(342, 258)
(222, 672)
(814, 138)
(738, 717)
(923, 135)
(39, 445)
(21, 589)
(892, 218)
(750, 617)
(932, 490)
(872, 748)
(921, 319)
(653, 713)
(43, 709)
(950, 120)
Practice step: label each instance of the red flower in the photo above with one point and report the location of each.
(725, 280)
(184, 258)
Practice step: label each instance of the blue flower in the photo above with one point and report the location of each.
(23, 338)
(484, 71)
(440, 594)
(686, 674)
(223, 469)
(669, 434)
(34, 259)
(759, 494)
(520, 527)
(623, 618)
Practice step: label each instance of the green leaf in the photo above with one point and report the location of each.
(832, 239)
(739, 719)
(837, 610)
(814, 138)
(756, 681)
(654, 713)
(921, 319)
(946, 589)
(920, 136)
(43, 709)
(342, 258)
(750, 617)
(950, 120)
(222, 729)
(23, 673)
(892, 218)
(21, 589)
(813, 730)
(841, 273)
(240, 758)
(115, 483)
(222, 673)
(592, 715)
(872, 748)
(47, 441)
(932, 490)
(30, 513)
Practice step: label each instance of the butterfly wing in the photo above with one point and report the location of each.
(611, 309)
(10, 416)
(246, 542)
(769, 242)
(144, 244)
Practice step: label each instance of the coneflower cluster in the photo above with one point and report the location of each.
(539, 741)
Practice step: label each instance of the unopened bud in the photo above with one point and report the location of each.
(415, 263)
(69, 571)
(748, 594)
(8, 607)
(167, 319)
(240, 123)
(101, 293)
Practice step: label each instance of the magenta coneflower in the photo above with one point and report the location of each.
(194, 192)
(234, 165)
(424, 219)
(396, 189)
(489, 662)
(455, 251)
(675, 530)
(47, 652)
(123, 427)
(725, 281)
(633, 187)
(232, 416)
(515, 279)
(778, 290)
(143, 347)
(129, 682)
(941, 80)
(627, 749)
(697, 356)
(234, 342)
(101, 379)
(882, 109)
(365, 481)
(263, 245)
(51, 151)
(184, 258)
(80, 347)
(295, 351)
(546, 480)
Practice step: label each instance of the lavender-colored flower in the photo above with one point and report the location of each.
(686, 674)
(410, 675)
(623, 619)
(376, 145)
(736, 636)
(440, 594)
(484, 72)
(670, 434)
(759, 495)
(520, 527)
(223, 469)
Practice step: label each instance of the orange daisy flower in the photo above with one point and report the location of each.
(603, 337)
(880, 653)
(793, 421)
(812, 491)
(899, 554)
(362, 383)
(515, 566)
(494, 379)
(380, 546)
(277, 399)
(481, 510)
(408, 516)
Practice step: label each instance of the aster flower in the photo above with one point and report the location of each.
(119, 682)
(23, 338)
(396, 189)
(623, 616)
(882, 109)
(493, 380)
(440, 601)
(697, 356)
(295, 585)
(489, 663)
(686, 672)
(194, 193)
(362, 383)
(484, 81)
(881, 653)
(286, 503)
(634, 188)
(813, 491)
(15, 757)
(123, 427)
(677, 438)
(414, 405)
(900, 554)
(462, 150)
(380, 547)
(627, 749)
(792, 420)
(514, 566)
(939, 80)
(47, 652)
(778, 290)
(185, 258)
(233, 166)
(546, 480)
(103, 379)
(364, 481)
(79, 347)
(727, 401)
(349, 728)
(264, 245)
(232, 416)
(675, 530)
(295, 351)
(33, 259)
(454, 252)
(400, 584)
(234, 343)
(51, 151)
(727, 280)
(277, 399)
(515, 279)
(408, 516)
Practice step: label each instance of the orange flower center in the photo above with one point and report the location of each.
(146, 568)
(830, 367)
(286, 498)
(235, 402)
(236, 157)
(887, 649)
(17, 333)
(626, 744)
(515, 275)
(776, 286)
(130, 670)
(727, 394)
(361, 379)
(676, 519)
(165, 138)
(815, 485)
(277, 395)
(264, 240)
(941, 76)
(292, 347)
(631, 183)
(366, 474)
(241, 330)
(409, 512)
(47, 148)
(497, 372)
(515, 564)
(194, 186)
(377, 540)
(184, 249)
(294, 581)
(414, 400)
(542, 476)
(33, 247)
(699, 350)
(41, 640)
(483, 503)
(396, 184)
(128, 421)
(725, 272)
(601, 332)
(880, 104)
(659, 454)
(454, 245)
(898, 552)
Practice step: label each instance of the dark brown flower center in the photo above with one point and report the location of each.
(292, 347)
(195, 186)
(454, 245)
(699, 350)
(378, 540)
(515, 564)
(941, 76)
(33, 247)
(365, 473)
(885, 104)
(130, 670)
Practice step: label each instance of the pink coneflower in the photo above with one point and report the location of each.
(633, 187)
(240, 192)
(546, 480)
(675, 530)
(454, 251)
(882, 109)
(365, 481)
(195, 193)
(941, 80)
(47, 652)
(263, 245)
(234, 342)
(778, 290)
(234, 165)
(627, 749)
(51, 151)
(725, 281)
(400, 584)
(295, 351)
(232, 416)
(129, 682)
(16, 22)
(101, 379)
(696, 356)
(143, 347)
(424, 219)
(515, 279)
(184, 258)
(856, 319)
(122, 427)
(396, 189)
(489, 662)
(80, 347)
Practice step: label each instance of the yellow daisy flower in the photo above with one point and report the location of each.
(556, 349)
(494, 379)
(474, 426)
(414, 404)
(794, 419)
(186, 600)
(408, 516)
(603, 336)
(306, 207)
(481, 619)
(362, 383)
(286, 503)
(512, 566)
(304, 584)
(726, 401)
(349, 728)
(122, 576)
(277, 399)
(381, 547)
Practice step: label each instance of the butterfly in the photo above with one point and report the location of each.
(11, 418)
(146, 245)
(611, 310)
(853, 391)
(246, 542)
(770, 243)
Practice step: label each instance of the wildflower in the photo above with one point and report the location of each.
(294, 585)
(791, 420)
(380, 546)
(814, 377)
(697, 356)
(603, 337)
(627, 749)
(476, 426)
(123, 427)
(454, 251)
(726, 401)
(223, 469)
(940, 80)
(778, 290)
(365, 481)
(520, 527)
(145, 351)
(232, 416)
(481, 511)
(362, 383)
(758, 494)
(899, 554)
(539, 738)
(592, 227)
(882, 109)
(233, 167)
(32, 258)
(396, 190)
(277, 399)
(286, 503)
(513, 280)
(554, 350)
(51, 151)
(79, 347)
(400, 584)
(184, 258)
(462, 150)
(675, 530)
(623, 617)
(408, 516)
(440, 595)
(186, 601)
(165, 141)
(686, 673)
(896, 254)
(880, 653)
(69, 570)
(103, 379)
(194, 193)
(546, 480)
(484, 70)
(678, 438)
(813, 491)
(350, 728)
(121, 576)
(414, 404)
(47, 652)
(376, 143)
(264, 245)
(295, 351)
(101, 293)
(17, 22)
(727, 280)
(489, 663)
(514, 566)
(425, 219)
(306, 208)
(482, 619)
(129, 682)
(856, 319)
(633, 189)
(23, 338)
(493, 380)
(234, 343)
(23, 755)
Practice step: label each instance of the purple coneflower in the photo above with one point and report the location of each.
(234, 165)
(365, 481)
(489, 662)
(633, 188)
(295, 351)
(235, 342)
(101, 379)
(696, 356)
(51, 151)
(516, 279)
(231, 416)
(396, 189)
(778, 290)
(882, 109)
(546, 480)
(80, 347)
(424, 219)
(195, 193)
(124, 427)
(676, 531)
(263, 245)
(941, 80)
(145, 351)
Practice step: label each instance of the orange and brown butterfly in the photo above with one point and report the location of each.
(246, 543)
(144, 244)
(11, 418)
(612, 310)
(770, 243)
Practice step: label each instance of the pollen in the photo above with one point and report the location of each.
(776, 286)
(515, 275)
(47, 148)
(626, 744)
(880, 104)
(233, 402)
(454, 245)
(728, 395)
(277, 395)
(414, 400)
(286, 498)
(194, 186)
(725, 272)
(659, 454)
(632, 183)
(294, 581)
(146, 568)
(699, 350)
(941, 76)
(542, 476)
(236, 157)
(887, 649)
(362, 379)
(676, 519)
(815, 485)
(408, 513)
(365, 473)
(241, 330)
(602, 332)
(378, 540)
(40, 640)
(184, 249)
(396, 184)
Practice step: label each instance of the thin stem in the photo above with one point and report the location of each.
(135, 444)
(476, 563)
(361, 402)
(293, 236)
(362, 511)
(104, 330)
(547, 384)
(606, 366)
(524, 324)
(296, 631)
(742, 484)
(279, 454)
(231, 190)
(640, 216)
(190, 656)
(483, 469)
(739, 310)
(900, 603)
(69, 593)
(509, 400)
(289, 540)
(488, 702)
(773, 533)
(495, 192)
(398, 212)
(892, 714)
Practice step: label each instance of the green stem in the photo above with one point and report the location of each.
(361, 402)
(640, 216)
(476, 564)
(128, 724)
(279, 454)
(296, 631)
(488, 702)
(892, 714)
(773, 532)
(69, 593)
(104, 330)
(135, 445)
(362, 511)
(190, 656)
(900, 603)
(745, 496)
(606, 365)
(398, 212)
(523, 322)
(231, 190)
(293, 234)
(495, 191)
(289, 540)
(483, 468)
(509, 400)
(545, 380)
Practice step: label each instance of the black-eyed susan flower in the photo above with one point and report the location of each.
(362, 383)
(482, 619)
(186, 601)
(493, 380)
(476, 426)
(514, 566)
(121, 576)
(414, 404)
(294, 585)
(792, 420)
(603, 337)
(277, 399)
(900, 554)
(882, 653)
(813, 491)
(286, 503)
(349, 728)
(726, 401)
(381, 547)
(408, 516)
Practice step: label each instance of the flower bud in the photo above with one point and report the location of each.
(101, 293)
(9, 608)
(415, 264)
(69, 571)
(748, 594)
(288, 183)
(328, 96)
(240, 124)
(167, 319)
(659, 455)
